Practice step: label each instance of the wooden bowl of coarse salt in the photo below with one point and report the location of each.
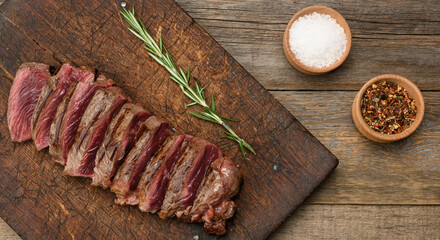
(317, 40)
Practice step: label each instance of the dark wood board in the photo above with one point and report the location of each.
(92, 33)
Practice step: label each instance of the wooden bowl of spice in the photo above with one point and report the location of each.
(317, 40)
(388, 108)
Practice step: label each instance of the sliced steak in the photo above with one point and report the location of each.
(150, 137)
(197, 173)
(154, 181)
(58, 124)
(46, 91)
(117, 142)
(69, 115)
(104, 105)
(23, 96)
(51, 98)
(212, 204)
(187, 175)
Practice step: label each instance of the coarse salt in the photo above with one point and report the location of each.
(317, 40)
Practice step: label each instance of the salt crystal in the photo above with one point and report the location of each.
(317, 40)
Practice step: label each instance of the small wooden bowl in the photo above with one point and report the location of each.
(413, 92)
(291, 56)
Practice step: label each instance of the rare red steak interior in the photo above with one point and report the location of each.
(94, 130)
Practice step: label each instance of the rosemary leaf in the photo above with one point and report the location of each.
(191, 104)
(161, 55)
(188, 73)
(229, 119)
(213, 103)
(242, 149)
(248, 147)
(202, 117)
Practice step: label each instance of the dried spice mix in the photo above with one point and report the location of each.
(387, 108)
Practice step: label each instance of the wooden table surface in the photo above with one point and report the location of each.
(378, 191)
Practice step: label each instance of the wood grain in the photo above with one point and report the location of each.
(345, 222)
(6, 232)
(368, 173)
(404, 172)
(289, 165)
(361, 222)
(12, 52)
(400, 37)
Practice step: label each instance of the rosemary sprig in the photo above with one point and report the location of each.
(161, 55)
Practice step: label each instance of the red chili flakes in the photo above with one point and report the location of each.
(387, 108)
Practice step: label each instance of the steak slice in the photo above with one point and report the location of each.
(212, 204)
(197, 173)
(51, 98)
(69, 114)
(187, 176)
(104, 105)
(154, 181)
(117, 142)
(23, 97)
(149, 138)
(46, 91)
(95, 131)
(57, 125)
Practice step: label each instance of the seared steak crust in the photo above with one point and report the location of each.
(154, 182)
(152, 133)
(212, 204)
(69, 114)
(54, 93)
(104, 105)
(93, 129)
(117, 142)
(184, 174)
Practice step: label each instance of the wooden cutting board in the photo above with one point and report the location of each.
(39, 203)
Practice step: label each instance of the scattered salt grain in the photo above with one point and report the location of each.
(317, 40)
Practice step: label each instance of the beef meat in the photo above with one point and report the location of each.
(197, 173)
(95, 131)
(117, 142)
(212, 204)
(58, 124)
(152, 187)
(104, 105)
(26, 88)
(69, 115)
(51, 99)
(187, 176)
(150, 137)
(46, 91)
